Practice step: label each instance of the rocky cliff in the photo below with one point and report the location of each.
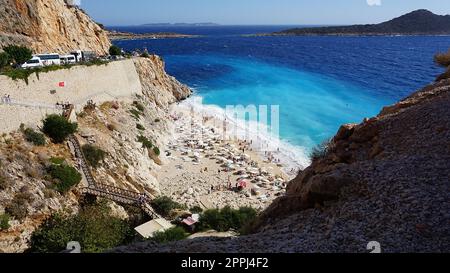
(386, 179)
(27, 192)
(159, 87)
(50, 26)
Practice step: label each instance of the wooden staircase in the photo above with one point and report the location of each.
(122, 196)
(79, 155)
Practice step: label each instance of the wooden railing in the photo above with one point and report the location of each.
(112, 193)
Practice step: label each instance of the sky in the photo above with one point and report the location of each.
(255, 12)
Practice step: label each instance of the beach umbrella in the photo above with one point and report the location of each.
(243, 183)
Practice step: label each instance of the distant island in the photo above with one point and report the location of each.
(180, 25)
(419, 22)
(120, 35)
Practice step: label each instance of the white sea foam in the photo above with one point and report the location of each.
(292, 157)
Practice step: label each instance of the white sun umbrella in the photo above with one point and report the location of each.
(264, 180)
(242, 177)
(221, 159)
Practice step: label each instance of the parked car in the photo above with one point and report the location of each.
(34, 62)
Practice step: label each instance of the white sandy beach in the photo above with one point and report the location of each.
(204, 167)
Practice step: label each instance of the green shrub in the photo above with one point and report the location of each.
(18, 54)
(140, 127)
(66, 177)
(196, 209)
(4, 221)
(94, 155)
(57, 160)
(226, 219)
(170, 235)
(34, 137)
(4, 59)
(164, 205)
(139, 106)
(93, 227)
(18, 74)
(146, 143)
(135, 113)
(145, 55)
(24, 74)
(320, 151)
(156, 151)
(115, 50)
(96, 62)
(58, 128)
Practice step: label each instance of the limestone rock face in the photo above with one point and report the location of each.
(50, 26)
(157, 85)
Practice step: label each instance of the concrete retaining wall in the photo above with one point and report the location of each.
(115, 81)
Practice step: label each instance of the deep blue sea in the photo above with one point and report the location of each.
(318, 82)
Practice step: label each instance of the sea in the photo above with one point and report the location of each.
(317, 82)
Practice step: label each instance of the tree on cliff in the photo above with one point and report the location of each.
(18, 54)
(58, 128)
(4, 59)
(94, 227)
(115, 51)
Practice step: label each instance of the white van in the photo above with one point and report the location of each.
(50, 59)
(67, 59)
(34, 62)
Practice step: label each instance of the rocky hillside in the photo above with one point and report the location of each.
(50, 26)
(419, 22)
(386, 179)
(28, 194)
(113, 127)
(159, 87)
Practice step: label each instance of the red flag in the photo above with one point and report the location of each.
(62, 84)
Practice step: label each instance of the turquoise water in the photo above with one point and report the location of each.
(310, 104)
(319, 83)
